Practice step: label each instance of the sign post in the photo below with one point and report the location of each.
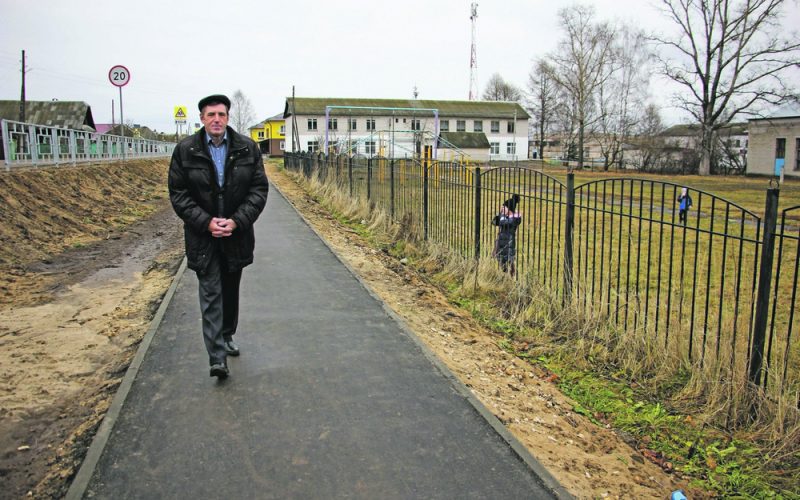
(119, 76)
(180, 119)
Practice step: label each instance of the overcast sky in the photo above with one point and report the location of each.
(178, 52)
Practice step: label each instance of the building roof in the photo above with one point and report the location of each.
(67, 114)
(258, 125)
(693, 130)
(276, 118)
(103, 128)
(464, 140)
(790, 110)
(466, 109)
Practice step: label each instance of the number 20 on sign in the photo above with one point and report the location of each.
(119, 75)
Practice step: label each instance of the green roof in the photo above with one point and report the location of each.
(464, 140)
(466, 109)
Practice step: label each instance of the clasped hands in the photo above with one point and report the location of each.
(221, 228)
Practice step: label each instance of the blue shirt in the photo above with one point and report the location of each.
(218, 154)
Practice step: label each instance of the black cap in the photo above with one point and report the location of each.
(214, 99)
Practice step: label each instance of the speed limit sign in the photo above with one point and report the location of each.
(119, 75)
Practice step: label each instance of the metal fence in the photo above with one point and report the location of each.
(717, 289)
(26, 144)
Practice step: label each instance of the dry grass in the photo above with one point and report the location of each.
(538, 323)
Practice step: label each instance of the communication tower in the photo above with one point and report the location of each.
(473, 57)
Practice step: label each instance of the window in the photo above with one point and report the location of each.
(352, 124)
(260, 134)
(510, 127)
(495, 126)
(477, 126)
(461, 125)
(444, 126)
(780, 148)
(283, 130)
(797, 154)
(370, 123)
(369, 147)
(415, 125)
(511, 148)
(313, 146)
(333, 124)
(494, 148)
(283, 145)
(312, 124)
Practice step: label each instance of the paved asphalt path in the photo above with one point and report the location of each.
(331, 398)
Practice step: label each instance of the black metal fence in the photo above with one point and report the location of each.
(717, 288)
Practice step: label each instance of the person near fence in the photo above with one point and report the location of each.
(685, 202)
(505, 247)
(218, 187)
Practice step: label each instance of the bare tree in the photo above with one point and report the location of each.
(622, 94)
(729, 56)
(542, 99)
(650, 144)
(580, 62)
(497, 89)
(242, 114)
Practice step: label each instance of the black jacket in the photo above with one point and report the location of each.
(196, 197)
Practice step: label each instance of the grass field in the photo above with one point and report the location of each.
(689, 287)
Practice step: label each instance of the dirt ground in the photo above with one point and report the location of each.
(87, 253)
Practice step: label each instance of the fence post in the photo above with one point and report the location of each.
(425, 199)
(764, 281)
(55, 147)
(350, 174)
(33, 146)
(369, 179)
(391, 187)
(478, 214)
(6, 145)
(569, 224)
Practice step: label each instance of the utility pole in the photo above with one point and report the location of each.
(473, 56)
(22, 94)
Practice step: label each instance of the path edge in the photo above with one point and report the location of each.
(81, 482)
(547, 479)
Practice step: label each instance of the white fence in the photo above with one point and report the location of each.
(26, 144)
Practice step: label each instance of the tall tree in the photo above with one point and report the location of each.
(497, 89)
(242, 114)
(580, 62)
(622, 95)
(542, 99)
(650, 143)
(729, 56)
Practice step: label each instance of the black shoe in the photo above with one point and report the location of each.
(219, 370)
(231, 348)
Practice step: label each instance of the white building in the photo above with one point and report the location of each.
(408, 127)
(775, 143)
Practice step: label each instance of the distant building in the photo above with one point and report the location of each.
(562, 146)
(408, 128)
(682, 142)
(270, 135)
(775, 142)
(64, 114)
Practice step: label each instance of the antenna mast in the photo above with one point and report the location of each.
(473, 57)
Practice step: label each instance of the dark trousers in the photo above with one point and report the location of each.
(219, 305)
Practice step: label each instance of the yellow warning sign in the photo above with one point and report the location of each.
(180, 113)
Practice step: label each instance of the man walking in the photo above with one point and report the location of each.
(218, 187)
